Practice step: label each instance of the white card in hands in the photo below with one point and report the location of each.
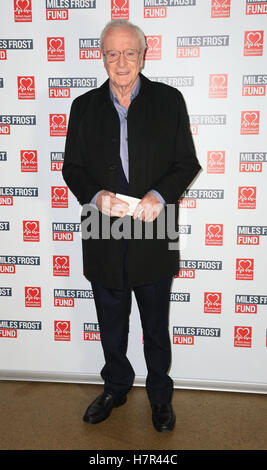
(132, 201)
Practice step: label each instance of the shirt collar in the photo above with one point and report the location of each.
(133, 94)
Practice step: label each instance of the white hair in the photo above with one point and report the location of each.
(123, 24)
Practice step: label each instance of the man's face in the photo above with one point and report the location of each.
(123, 73)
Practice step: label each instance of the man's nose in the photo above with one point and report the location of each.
(122, 60)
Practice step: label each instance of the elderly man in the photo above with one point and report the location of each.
(130, 137)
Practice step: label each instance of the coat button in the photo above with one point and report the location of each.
(113, 167)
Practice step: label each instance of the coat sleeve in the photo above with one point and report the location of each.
(185, 165)
(74, 172)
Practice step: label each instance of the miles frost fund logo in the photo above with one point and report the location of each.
(63, 231)
(158, 8)
(185, 334)
(188, 267)
(256, 8)
(248, 303)
(65, 297)
(188, 200)
(89, 48)
(9, 328)
(59, 9)
(91, 332)
(12, 44)
(250, 162)
(60, 87)
(15, 120)
(250, 234)
(8, 193)
(8, 263)
(189, 46)
(206, 120)
(254, 85)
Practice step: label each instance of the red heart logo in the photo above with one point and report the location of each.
(60, 192)
(62, 326)
(152, 43)
(216, 156)
(254, 38)
(31, 226)
(247, 193)
(29, 156)
(243, 332)
(58, 120)
(213, 299)
(26, 82)
(56, 43)
(218, 81)
(214, 229)
(120, 3)
(245, 264)
(61, 261)
(33, 292)
(23, 4)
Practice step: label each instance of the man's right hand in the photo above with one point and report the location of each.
(109, 204)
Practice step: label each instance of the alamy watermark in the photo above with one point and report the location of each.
(96, 225)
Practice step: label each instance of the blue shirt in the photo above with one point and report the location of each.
(123, 113)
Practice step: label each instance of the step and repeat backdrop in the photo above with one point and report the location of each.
(214, 52)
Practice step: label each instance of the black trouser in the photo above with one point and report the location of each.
(113, 310)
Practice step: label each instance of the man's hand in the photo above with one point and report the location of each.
(109, 204)
(148, 208)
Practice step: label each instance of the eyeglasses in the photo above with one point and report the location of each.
(129, 54)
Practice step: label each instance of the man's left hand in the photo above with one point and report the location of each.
(148, 208)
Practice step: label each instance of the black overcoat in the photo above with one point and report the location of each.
(161, 157)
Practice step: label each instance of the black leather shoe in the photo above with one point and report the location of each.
(101, 407)
(163, 417)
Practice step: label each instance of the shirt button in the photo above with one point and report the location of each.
(113, 167)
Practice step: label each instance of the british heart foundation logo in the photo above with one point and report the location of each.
(244, 269)
(55, 49)
(28, 160)
(216, 161)
(59, 196)
(253, 43)
(212, 302)
(32, 296)
(250, 122)
(22, 11)
(214, 234)
(58, 125)
(26, 88)
(61, 330)
(247, 197)
(153, 51)
(120, 9)
(242, 336)
(220, 8)
(218, 85)
(31, 231)
(61, 265)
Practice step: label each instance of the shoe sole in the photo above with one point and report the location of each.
(91, 420)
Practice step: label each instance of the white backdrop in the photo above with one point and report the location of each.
(215, 53)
